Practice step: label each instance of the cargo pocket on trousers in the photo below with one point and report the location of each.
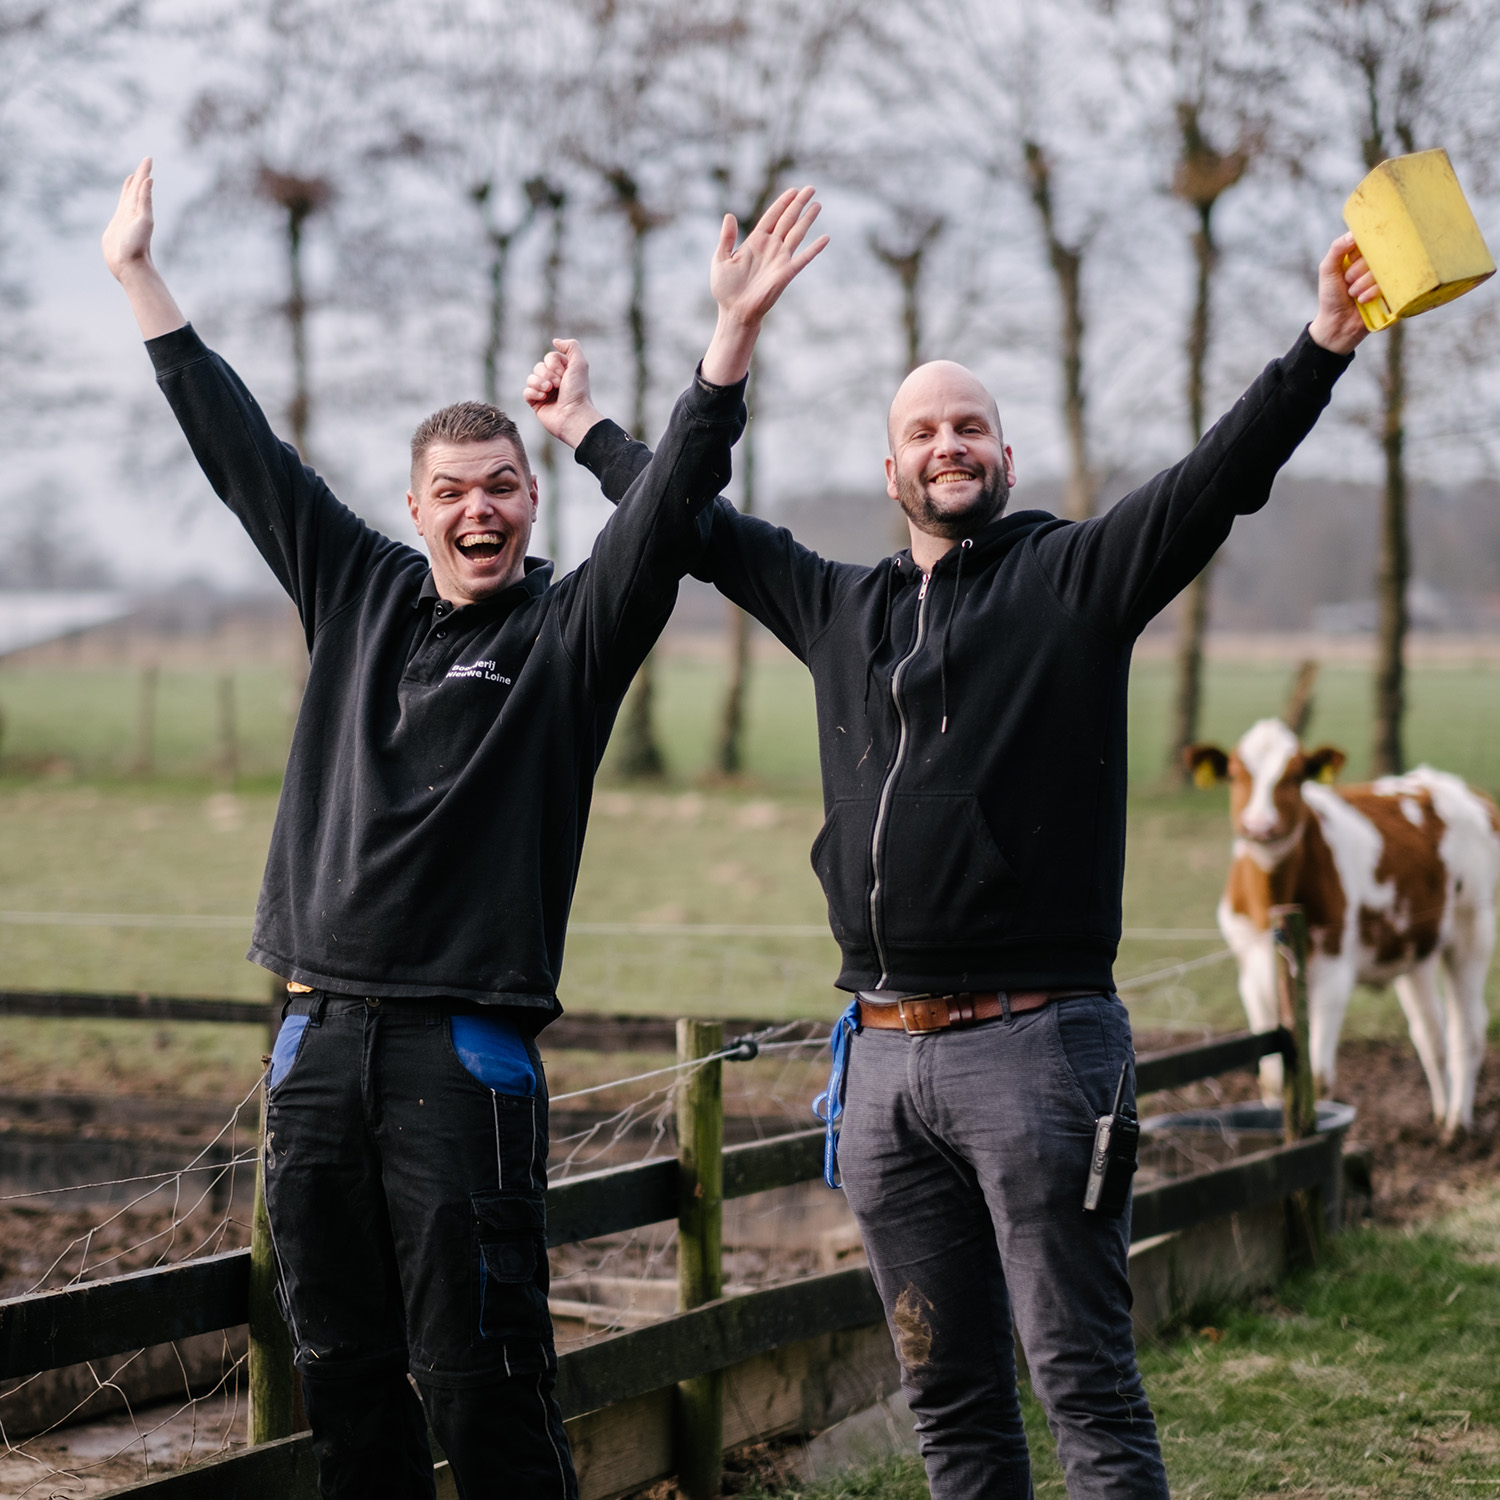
(511, 1245)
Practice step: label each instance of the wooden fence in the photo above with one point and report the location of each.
(576, 1031)
(648, 1403)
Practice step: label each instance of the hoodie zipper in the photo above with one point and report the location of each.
(883, 806)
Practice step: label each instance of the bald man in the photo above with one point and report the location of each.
(971, 701)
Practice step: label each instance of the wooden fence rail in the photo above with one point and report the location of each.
(723, 1336)
(122, 1313)
(579, 1031)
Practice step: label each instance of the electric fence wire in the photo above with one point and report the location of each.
(226, 1387)
(643, 1255)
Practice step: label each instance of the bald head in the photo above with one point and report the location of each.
(949, 467)
(939, 385)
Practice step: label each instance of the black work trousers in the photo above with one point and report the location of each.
(406, 1202)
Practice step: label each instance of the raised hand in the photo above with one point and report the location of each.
(127, 237)
(747, 281)
(127, 253)
(1338, 326)
(557, 390)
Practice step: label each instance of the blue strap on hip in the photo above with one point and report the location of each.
(829, 1105)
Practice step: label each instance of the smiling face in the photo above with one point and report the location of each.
(949, 468)
(473, 503)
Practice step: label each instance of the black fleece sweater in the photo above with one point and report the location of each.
(988, 852)
(433, 811)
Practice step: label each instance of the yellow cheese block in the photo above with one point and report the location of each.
(1417, 233)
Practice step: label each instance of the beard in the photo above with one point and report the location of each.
(914, 497)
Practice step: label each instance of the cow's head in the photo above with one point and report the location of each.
(1265, 772)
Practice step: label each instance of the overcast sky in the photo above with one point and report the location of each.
(114, 476)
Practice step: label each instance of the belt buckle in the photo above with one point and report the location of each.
(924, 1012)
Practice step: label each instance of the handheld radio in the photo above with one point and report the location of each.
(1113, 1164)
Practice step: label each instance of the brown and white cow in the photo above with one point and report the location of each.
(1398, 881)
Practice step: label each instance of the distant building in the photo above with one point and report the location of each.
(34, 618)
(186, 626)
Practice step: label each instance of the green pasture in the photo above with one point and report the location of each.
(1373, 1375)
(84, 723)
(81, 833)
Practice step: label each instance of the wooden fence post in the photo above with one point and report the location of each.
(145, 723)
(228, 731)
(1289, 937)
(273, 1388)
(1299, 1103)
(700, 1238)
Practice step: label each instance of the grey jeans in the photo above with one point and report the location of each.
(964, 1156)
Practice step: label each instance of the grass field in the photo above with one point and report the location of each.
(79, 835)
(1370, 1376)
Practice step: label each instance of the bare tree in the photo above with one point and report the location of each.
(481, 130)
(63, 89)
(551, 198)
(620, 140)
(1065, 257)
(1219, 99)
(1417, 74)
(1025, 89)
(273, 145)
(905, 250)
(276, 139)
(904, 253)
(640, 753)
(755, 78)
(298, 199)
(500, 239)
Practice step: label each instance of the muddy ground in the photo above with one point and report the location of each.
(1414, 1175)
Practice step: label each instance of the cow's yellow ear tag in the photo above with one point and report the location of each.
(1204, 775)
(1329, 773)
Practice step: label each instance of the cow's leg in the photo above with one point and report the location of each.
(1418, 994)
(1466, 962)
(1329, 985)
(1257, 993)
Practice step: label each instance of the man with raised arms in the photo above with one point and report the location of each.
(971, 702)
(422, 865)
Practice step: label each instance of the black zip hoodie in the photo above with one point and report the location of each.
(972, 724)
(433, 811)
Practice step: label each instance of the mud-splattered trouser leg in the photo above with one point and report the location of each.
(406, 1201)
(964, 1156)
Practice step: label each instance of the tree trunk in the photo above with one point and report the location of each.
(299, 410)
(551, 294)
(1067, 269)
(1394, 569)
(731, 757)
(640, 755)
(494, 340)
(1192, 623)
(640, 751)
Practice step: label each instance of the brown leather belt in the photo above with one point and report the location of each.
(919, 1013)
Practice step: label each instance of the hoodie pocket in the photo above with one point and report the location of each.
(841, 861)
(942, 877)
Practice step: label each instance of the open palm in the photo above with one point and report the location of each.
(746, 282)
(127, 237)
